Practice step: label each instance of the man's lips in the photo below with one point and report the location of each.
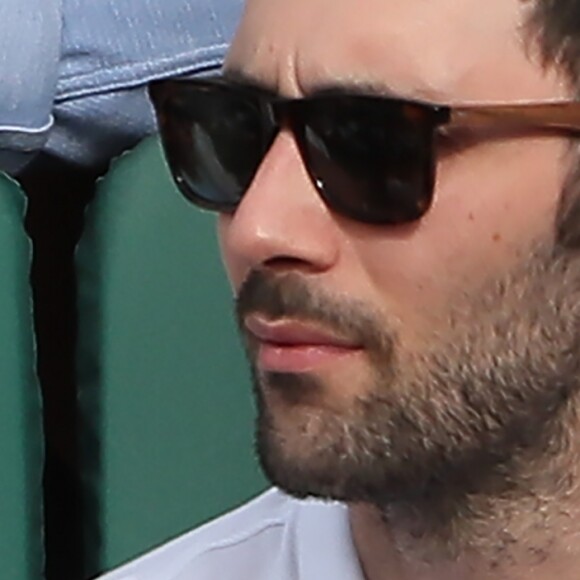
(290, 345)
(292, 332)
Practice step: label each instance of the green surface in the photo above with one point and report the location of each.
(165, 394)
(20, 415)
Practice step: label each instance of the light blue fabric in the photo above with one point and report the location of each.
(72, 72)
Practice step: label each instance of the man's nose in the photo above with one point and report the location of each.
(281, 221)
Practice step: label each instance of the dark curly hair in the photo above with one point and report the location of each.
(555, 25)
(555, 28)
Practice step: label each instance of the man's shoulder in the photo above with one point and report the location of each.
(237, 537)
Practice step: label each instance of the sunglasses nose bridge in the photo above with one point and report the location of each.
(273, 119)
(282, 115)
(287, 114)
(278, 115)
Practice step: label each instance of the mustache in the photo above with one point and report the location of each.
(289, 295)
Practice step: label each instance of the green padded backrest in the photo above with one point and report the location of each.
(20, 412)
(165, 395)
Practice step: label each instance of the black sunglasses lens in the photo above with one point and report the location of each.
(215, 139)
(371, 160)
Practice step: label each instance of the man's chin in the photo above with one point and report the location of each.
(320, 478)
(314, 454)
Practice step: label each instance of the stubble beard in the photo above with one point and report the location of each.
(485, 417)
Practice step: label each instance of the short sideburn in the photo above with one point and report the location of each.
(555, 30)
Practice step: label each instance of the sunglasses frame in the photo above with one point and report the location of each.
(553, 117)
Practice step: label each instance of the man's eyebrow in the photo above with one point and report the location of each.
(338, 87)
(354, 88)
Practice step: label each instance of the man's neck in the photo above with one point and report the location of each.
(536, 537)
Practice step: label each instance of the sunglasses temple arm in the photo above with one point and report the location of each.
(549, 116)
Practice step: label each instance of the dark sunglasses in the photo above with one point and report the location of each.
(371, 158)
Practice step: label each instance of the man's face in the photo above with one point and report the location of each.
(389, 356)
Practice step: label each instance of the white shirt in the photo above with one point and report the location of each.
(273, 537)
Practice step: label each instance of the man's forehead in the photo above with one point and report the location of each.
(440, 50)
